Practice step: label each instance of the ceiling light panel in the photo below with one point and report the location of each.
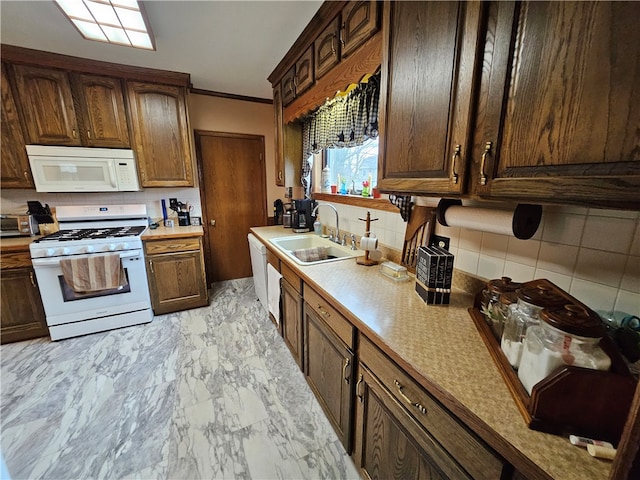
(121, 22)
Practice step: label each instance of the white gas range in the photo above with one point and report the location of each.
(91, 231)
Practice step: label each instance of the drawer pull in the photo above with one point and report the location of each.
(151, 265)
(33, 280)
(454, 174)
(358, 386)
(346, 375)
(419, 406)
(487, 151)
(323, 312)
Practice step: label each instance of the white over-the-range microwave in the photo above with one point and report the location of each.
(81, 169)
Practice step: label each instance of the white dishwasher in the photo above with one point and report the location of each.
(259, 267)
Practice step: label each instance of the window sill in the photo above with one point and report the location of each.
(358, 201)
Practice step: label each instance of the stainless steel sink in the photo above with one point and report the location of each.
(335, 252)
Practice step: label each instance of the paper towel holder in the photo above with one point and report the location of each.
(525, 218)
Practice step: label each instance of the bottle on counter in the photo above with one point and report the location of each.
(490, 303)
(567, 336)
(317, 227)
(524, 314)
(325, 180)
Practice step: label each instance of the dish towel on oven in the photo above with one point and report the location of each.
(92, 273)
(273, 292)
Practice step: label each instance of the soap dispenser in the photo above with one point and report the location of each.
(317, 226)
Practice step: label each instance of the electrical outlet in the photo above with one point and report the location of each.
(440, 241)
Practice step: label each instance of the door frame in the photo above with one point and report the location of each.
(197, 134)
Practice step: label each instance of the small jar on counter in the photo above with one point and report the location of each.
(490, 303)
(568, 336)
(526, 313)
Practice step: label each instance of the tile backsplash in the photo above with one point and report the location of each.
(15, 201)
(591, 253)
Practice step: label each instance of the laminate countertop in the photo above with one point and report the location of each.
(442, 349)
(174, 232)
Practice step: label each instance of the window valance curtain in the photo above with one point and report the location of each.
(345, 121)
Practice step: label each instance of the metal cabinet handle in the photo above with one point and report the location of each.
(212, 223)
(454, 174)
(342, 28)
(346, 377)
(323, 312)
(33, 280)
(88, 133)
(359, 394)
(151, 266)
(26, 175)
(487, 151)
(280, 175)
(419, 406)
(73, 132)
(333, 45)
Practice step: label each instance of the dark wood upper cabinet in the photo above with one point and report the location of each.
(558, 113)
(429, 59)
(288, 86)
(103, 111)
(304, 72)
(47, 106)
(327, 48)
(279, 135)
(161, 134)
(359, 22)
(14, 169)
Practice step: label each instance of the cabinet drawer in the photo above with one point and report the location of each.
(172, 245)
(290, 276)
(474, 456)
(15, 260)
(340, 326)
(273, 260)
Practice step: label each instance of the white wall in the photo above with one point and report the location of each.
(593, 254)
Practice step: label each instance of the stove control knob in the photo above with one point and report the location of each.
(89, 249)
(112, 247)
(50, 252)
(66, 251)
(124, 246)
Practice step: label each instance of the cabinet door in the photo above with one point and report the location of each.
(102, 103)
(328, 365)
(389, 444)
(14, 169)
(161, 134)
(47, 106)
(288, 83)
(559, 117)
(292, 320)
(327, 48)
(304, 72)
(177, 281)
(22, 311)
(428, 73)
(277, 110)
(360, 20)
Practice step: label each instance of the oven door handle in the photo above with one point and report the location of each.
(54, 262)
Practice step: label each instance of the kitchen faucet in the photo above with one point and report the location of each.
(315, 210)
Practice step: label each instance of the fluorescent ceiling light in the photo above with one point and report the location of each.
(121, 22)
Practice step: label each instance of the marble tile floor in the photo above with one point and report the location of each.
(202, 394)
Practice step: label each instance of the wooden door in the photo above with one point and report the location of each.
(161, 134)
(328, 364)
(559, 103)
(103, 112)
(360, 20)
(233, 189)
(292, 320)
(47, 105)
(14, 169)
(429, 60)
(389, 444)
(22, 311)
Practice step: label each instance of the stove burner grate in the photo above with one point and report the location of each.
(92, 233)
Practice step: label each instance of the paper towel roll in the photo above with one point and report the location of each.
(521, 222)
(368, 243)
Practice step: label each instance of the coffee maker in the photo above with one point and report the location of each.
(302, 218)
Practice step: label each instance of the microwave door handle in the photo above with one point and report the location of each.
(112, 171)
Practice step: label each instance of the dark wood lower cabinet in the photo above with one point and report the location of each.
(328, 365)
(22, 311)
(176, 274)
(389, 443)
(292, 320)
